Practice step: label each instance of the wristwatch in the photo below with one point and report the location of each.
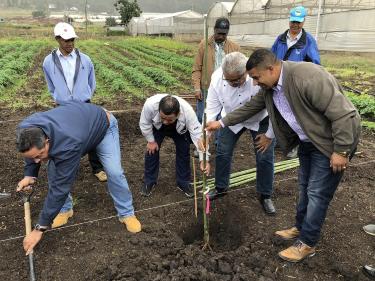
(40, 228)
(343, 154)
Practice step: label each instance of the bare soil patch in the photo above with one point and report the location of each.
(169, 247)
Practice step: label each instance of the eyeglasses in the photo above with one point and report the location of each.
(234, 82)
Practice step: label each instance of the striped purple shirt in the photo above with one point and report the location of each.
(282, 105)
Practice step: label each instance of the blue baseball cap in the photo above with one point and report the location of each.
(297, 14)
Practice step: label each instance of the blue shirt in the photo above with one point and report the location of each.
(73, 129)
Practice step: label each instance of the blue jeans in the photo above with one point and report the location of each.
(199, 110)
(264, 162)
(183, 170)
(317, 184)
(109, 154)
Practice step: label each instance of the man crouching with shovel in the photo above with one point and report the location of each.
(62, 136)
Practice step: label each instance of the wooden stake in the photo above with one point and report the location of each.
(195, 190)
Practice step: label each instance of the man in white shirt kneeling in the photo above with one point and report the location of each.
(163, 116)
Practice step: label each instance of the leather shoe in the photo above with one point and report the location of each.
(146, 189)
(288, 234)
(132, 224)
(215, 193)
(298, 252)
(62, 219)
(101, 176)
(187, 189)
(369, 271)
(268, 206)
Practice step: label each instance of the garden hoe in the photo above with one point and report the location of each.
(26, 195)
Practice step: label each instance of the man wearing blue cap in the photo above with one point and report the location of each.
(296, 44)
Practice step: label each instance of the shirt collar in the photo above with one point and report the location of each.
(219, 45)
(296, 38)
(280, 82)
(72, 54)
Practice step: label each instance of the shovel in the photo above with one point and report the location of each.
(25, 195)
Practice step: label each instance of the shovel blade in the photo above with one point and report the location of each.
(31, 267)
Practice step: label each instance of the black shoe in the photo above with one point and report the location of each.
(4, 195)
(369, 271)
(268, 206)
(146, 189)
(215, 193)
(187, 189)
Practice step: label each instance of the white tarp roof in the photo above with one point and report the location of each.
(167, 23)
(247, 6)
(220, 9)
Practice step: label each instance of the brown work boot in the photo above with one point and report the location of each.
(62, 219)
(298, 252)
(132, 224)
(101, 176)
(288, 234)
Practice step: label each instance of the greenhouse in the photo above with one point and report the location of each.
(337, 25)
(185, 22)
(219, 9)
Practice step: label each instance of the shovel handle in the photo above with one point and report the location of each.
(26, 206)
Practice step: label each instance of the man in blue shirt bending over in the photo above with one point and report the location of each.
(70, 75)
(62, 136)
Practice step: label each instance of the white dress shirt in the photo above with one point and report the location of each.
(187, 120)
(68, 64)
(222, 98)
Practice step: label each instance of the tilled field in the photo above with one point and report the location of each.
(169, 247)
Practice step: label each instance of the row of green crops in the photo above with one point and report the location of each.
(159, 75)
(170, 64)
(365, 105)
(15, 62)
(139, 67)
(131, 73)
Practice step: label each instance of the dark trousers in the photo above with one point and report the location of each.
(183, 170)
(317, 185)
(264, 161)
(95, 164)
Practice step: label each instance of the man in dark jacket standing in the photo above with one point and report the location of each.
(62, 136)
(306, 106)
